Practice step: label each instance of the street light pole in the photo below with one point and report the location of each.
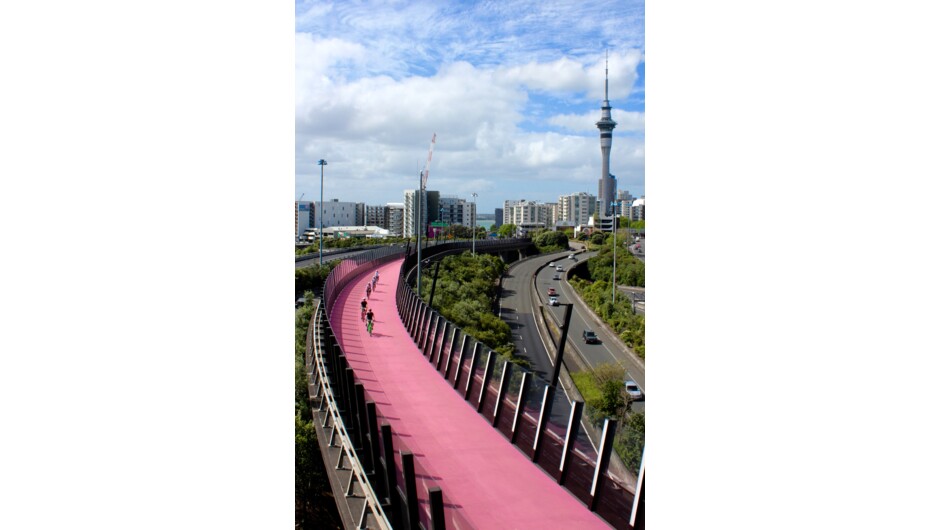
(418, 225)
(613, 291)
(473, 223)
(321, 163)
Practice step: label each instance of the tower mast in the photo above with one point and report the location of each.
(606, 186)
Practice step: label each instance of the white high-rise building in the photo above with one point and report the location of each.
(455, 211)
(528, 215)
(396, 219)
(429, 210)
(576, 208)
(637, 210)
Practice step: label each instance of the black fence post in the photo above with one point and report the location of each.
(603, 459)
(450, 351)
(339, 374)
(574, 425)
(388, 457)
(363, 427)
(463, 352)
(377, 479)
(638, 515)
(503, 387)
(410, 495)
(436, 499)
(352, 426)
(487, 375)
(520, 404)
(473, 362)
(548, 399)
(429, 335)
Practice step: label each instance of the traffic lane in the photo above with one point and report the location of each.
(611, 349)
(519, 318)
(517, 311)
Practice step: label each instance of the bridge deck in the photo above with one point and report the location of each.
(486, 482)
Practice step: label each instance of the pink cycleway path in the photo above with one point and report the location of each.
(486, 482)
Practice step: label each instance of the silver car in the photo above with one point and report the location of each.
(633, 391)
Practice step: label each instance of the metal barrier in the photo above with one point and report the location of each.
(335, 402)
(387, 476)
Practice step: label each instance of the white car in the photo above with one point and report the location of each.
(559, 269)
(633, 391)
(551, 263)
(552, 300)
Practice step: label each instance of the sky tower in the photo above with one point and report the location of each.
(606, 186)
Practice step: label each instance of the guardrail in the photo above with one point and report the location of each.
(334, 404)
(388, 476)
(332, 251)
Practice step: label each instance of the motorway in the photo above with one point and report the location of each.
(519, 307)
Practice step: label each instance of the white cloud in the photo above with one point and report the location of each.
(372, 90)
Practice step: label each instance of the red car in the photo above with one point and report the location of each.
(551, 291)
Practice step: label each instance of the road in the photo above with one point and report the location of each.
(519, 308)
(610, 349)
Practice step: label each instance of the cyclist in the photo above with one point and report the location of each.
(364, 305)
(369, 321)
(368, 289)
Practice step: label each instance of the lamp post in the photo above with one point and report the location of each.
(321, 163)
(473, 224)
(613, 291)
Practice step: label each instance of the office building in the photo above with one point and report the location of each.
(302, 218)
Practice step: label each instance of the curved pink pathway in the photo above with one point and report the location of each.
(487, 483)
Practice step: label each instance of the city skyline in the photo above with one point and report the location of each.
(511, 91)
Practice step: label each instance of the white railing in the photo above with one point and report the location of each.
(325, 393)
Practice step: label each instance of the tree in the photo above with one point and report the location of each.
(630, 439)
(547, 240)
(508, 230)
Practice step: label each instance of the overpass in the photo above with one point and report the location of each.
(433, 431)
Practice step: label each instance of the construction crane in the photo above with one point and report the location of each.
(419, 200)
(427, 165)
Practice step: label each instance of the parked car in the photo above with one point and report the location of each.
(633, 391)
(552, 300)
(551, 292)
(590, 337)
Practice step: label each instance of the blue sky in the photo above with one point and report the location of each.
(511, 88)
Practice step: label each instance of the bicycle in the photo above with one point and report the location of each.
(369, 327)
